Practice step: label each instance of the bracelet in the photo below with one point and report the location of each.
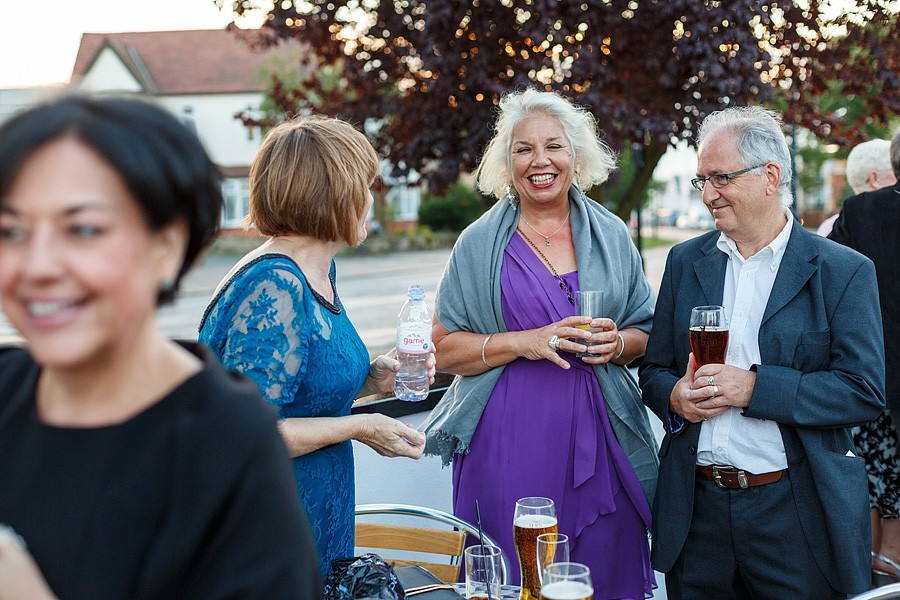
(483, 346)
(622, 351)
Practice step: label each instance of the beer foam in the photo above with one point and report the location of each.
(566, 590)
(535, 521)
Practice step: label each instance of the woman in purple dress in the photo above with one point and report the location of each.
(525, 416)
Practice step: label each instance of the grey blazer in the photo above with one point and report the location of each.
(822, 372)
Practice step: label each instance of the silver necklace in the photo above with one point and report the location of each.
(547, 237)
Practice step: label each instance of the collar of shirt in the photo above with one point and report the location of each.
(775, 248)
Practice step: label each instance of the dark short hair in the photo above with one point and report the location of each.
(312, 177)
(161, 162)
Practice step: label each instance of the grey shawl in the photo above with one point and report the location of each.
(468, 299)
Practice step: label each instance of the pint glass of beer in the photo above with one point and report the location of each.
(567, 581)
(533, 516)
(709, 334)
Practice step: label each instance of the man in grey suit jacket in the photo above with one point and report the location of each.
(760, 493)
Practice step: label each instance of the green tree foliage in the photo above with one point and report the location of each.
(454, 211)
(432, 71)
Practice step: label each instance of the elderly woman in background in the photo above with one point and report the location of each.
(277, 317)
(525, 416)
(131, 466)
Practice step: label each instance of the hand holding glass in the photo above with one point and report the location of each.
(567, 581)
(709, 334)
(588, 303)
(551, 548)
(533, 516)
(483, 572)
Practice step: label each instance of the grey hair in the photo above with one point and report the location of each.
(874, 155)
(760, 140)
(895, 153)
(592, 159)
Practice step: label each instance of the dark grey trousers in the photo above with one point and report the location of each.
(746, 544)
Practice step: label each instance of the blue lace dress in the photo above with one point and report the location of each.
(308, 361)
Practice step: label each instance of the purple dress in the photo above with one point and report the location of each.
(545, 432)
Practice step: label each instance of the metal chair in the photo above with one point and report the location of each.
(885, 592)
(446, 542)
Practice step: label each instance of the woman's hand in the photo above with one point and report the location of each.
(383, 370)
(548, 341)
(606, 342)
(389, 437)
(20, 576)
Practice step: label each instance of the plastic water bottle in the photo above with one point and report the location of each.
(413, 346)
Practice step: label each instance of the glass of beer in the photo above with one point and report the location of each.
(551, 548)
(533, 516)
(709, 334)
(588, 303)
(483, 572)
(567, 581)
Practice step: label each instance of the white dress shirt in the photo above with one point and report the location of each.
(754, 445)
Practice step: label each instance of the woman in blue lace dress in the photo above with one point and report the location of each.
(277, 317)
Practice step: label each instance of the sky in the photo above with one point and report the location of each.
(39, 38)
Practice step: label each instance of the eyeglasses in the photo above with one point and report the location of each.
(719, 180)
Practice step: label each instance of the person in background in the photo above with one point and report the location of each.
(131, 465)
(870, 223)
(525, 416)
(760, 492)
(868, 168)
(277, 318)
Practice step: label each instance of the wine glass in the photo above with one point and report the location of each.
(709, 334)
(533, 516)
(551, 548)
(567, 581)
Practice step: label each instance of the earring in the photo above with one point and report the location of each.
(511, 197)
(167, 286)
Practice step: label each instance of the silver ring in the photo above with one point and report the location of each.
(709, 380)
(715, 391)
(703, 418)
(554, 343)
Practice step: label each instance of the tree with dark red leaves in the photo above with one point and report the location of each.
(430, 72)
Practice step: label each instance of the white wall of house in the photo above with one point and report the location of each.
(211, 116)
(109, 74)
(12, 100)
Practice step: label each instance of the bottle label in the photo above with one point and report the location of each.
(414, 337)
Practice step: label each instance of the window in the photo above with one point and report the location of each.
(404, 202)
(236, 191)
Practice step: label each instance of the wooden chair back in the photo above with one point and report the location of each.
(377, 537)
(448, 542)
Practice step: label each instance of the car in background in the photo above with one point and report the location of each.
(696, 217)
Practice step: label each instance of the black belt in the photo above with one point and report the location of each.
(729, 477)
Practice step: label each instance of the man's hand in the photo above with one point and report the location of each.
(693, 395)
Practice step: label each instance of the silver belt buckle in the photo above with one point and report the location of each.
(741, 476)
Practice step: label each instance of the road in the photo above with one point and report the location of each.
(372, 289)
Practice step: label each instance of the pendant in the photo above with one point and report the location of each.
(547, 240)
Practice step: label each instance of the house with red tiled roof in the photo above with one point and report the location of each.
(205, 77)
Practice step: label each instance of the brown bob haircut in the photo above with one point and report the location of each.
(312, 177)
